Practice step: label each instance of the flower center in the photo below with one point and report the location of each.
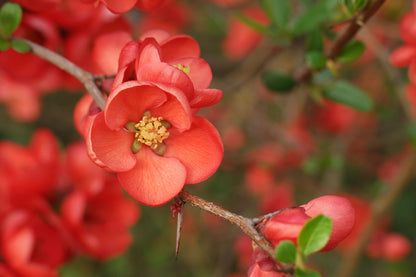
(185, 68)
(150, 131)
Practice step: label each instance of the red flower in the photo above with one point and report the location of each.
(100, 221)
(148, 135)
(122, 6)
(288, 224)
(30, 244)
(171, 60)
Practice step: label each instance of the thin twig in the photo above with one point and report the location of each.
(350, 31)
(245, 224)
(86, 78)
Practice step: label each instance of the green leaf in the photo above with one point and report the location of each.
(348, 94)
(10, 18)
(307, 272)
(354, 6)
(411, 132)
(278, 11)
(286, 252)
(315, 41)
(4, 44)
(315, 234)
(315, 59)
(310, 19)
(278, 82)
(351, 52)
(20, 46)
(251, 23)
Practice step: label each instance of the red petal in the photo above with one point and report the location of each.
(164, 73)
(111, 148)
(200, 72)
(158, 35)
(117, 6)
(106, 51)
(155, 179)
(206, 98)
(149, 53)
(147, 5)
(200, 149)
(128, 54)
(403, 55)
(129, 101)
(179, 46)
(176, 110)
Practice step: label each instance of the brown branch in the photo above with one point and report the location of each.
(246, 225)
(86, 78)
(350, 31)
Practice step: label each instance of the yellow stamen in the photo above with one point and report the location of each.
(184, 68)
(151, 131)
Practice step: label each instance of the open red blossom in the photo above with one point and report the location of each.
(172, 60)
(30, 244)
(288, 224)
(263, 265)
(32, 170)
(99, 221)
(149, 137)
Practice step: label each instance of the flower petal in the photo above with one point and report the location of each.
(149, 52)
(155, 179)
(158, 34)
(128, 102)
(128, 54)
(200, 72)
(117, 6)
(200, 149)
(164, 73)
(179, 46)
(206, 98)
(111, 148)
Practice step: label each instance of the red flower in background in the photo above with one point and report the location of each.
(96, 213)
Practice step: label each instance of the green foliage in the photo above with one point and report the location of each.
(310, 19)
(307, 272)
(354, 6)
(251, 23)
(411, 132)
(315, 41)
(286, 252)
(277, 11)
(4, 44)
(278, 82)
(20, 46)
(315, 59)
(351, 52)
(315, 234)
(348, 94)
(10, 18)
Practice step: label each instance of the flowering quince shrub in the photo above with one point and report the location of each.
(262, 106)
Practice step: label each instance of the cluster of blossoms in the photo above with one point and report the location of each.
(54, 207)
(148, 132)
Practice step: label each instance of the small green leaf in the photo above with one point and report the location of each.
(315, 41)
(307, 272)
(351, 52)
(315, 234)
(10, 18)
(310, 19)
(20, 46)
(348, 94)
(411, 132)
(251, 23)
(286, 252)
(278, 82)
(315, 59)
(277, 11)
(354, 6)
(4, 44)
